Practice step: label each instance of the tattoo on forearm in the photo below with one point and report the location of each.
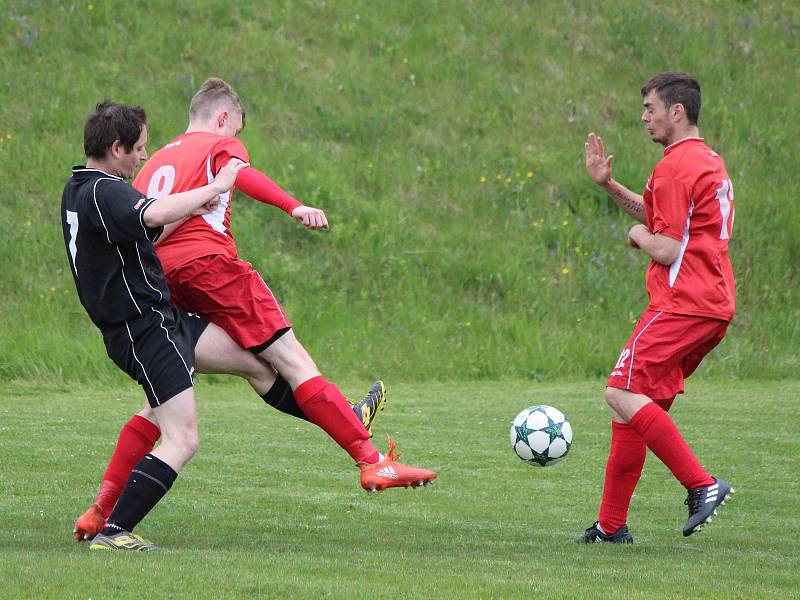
(627, 204)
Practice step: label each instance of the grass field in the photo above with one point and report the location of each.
(444, 141)
(270, 508)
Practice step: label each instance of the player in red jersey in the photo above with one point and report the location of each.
(206, 276)
(686, 215)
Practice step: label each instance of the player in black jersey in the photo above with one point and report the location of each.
(109, 229)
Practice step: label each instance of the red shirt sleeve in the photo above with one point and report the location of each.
(260, 187)
(671, 202)
(226, 149)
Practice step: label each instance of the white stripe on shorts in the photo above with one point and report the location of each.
(633, 350)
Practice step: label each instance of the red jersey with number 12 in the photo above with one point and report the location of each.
(190, 161)
(689, 198)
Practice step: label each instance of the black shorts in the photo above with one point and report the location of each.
(157, 350)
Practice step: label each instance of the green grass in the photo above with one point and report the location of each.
(387, 115)
(271, 508)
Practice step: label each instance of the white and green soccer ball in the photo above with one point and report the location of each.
(541, 435)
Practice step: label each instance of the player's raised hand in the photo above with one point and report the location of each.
(311, 218)
(227, 174)
(598, 164)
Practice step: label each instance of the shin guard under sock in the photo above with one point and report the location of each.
(665, 441)
(326, 407)
(623, 470)
(137, 438)
(149, 481)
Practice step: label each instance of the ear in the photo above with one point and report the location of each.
(222, 118)
(116, 149)
(678, 112)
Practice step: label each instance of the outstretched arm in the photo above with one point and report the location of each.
(598, 165)
(258, 186)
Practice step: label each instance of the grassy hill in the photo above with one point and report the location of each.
(444, 140)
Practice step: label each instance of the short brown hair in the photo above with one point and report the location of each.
(676, 88)
(109, 122)
(214, 93)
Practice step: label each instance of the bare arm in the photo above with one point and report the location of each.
(662, 249)
(598, 165)
(175, 207)
(628, 200)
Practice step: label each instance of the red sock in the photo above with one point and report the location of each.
(667, 443)
(136, 439)
(326, 407)
(623, 470)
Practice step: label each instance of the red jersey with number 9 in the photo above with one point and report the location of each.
(689, 198)
(190, 161)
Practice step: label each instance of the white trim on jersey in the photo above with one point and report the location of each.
(216, 219)
(148, 202)
(144, 274)
(97, 171)
(691, 137)
(133, 349)
(116, 247)
(633, 350)
(676, 265)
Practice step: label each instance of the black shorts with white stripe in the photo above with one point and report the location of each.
(157, 350)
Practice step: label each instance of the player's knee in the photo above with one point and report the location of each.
(612, 396)
(185, 442)
(191, 443)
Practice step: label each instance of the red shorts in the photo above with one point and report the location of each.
(231, 294)
(663, 350)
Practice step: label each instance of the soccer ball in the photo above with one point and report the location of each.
(541, 435)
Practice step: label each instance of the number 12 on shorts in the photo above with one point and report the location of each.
(622, 358)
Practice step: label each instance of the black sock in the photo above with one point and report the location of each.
(280, 396)
(148, 483)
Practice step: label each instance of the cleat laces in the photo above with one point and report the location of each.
(392, 446)
(694, 501)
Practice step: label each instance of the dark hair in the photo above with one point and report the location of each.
(109, 122)
(676, 88)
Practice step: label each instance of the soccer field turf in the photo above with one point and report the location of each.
(270, 507)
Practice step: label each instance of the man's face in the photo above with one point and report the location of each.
(128, 161)
(657, 118)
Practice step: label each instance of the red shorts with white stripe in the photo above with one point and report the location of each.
(231, 294)
(663, 350)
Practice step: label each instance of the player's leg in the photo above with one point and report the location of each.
(705, 493)
(157, 350)
(624, 466)
(137, 437)
(154, 475)
(327, 407)
(231, 294)
(215, 352)
(663, 352)
(660, 434)
(626, 460)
